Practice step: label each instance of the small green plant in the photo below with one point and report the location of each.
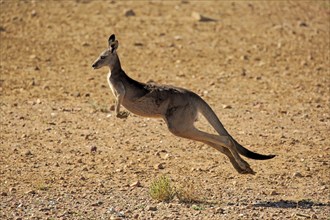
(197, 207)
(161, 189)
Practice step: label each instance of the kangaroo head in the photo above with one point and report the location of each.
(109, 56)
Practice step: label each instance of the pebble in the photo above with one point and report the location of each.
(129, 13)
(151, 208)
(297, 174)
(76, 94)
(114, 217)
(314, 216)
(28, 153)
(227, 107)
(302, 24)
(136, 184)
(159, 166)
(274, 193)
(33, 13)
(198, 17)
(98, 203)
(32, 192)
(219, 210)
(93, 149)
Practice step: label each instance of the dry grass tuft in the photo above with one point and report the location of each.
(161, 189)
(189, 193)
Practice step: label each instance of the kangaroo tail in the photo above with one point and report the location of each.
(252, 155)
(212, 118)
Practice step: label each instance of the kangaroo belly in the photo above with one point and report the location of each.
(146, 108)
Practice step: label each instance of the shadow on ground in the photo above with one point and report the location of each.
(303, 204)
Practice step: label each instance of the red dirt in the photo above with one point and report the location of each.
(262, 66)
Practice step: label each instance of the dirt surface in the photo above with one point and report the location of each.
(262, 66)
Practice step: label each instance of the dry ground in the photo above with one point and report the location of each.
(263, 66)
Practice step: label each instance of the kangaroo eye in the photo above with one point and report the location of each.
(103, 57)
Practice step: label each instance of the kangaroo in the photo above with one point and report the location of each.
(178, 107)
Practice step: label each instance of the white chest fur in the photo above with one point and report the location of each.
(114, 92)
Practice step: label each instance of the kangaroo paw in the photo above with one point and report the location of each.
(122, 115)
(246, 169)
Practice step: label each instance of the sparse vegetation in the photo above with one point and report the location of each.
(188, 193)
(161, 189)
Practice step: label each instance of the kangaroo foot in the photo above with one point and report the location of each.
(245, 168)
(122, 115)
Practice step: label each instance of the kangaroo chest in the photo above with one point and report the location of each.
(112, 84)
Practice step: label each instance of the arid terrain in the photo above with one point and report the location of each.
(263, 66)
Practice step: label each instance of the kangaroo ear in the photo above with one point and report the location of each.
(112, 38)
(113, 43)
(113, 46)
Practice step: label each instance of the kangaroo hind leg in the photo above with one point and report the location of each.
(181, 123)
(232, 160)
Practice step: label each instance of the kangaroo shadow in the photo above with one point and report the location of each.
(288, 204)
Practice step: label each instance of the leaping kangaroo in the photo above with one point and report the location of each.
(177, 106)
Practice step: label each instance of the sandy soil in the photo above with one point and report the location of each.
(262, 66)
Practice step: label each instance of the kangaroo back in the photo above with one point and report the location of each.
(212, 118)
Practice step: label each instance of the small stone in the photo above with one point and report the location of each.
(12, 190)
(121, 214)
(98, 203)
(219, 210)
(93, 149)
(129, 13)
(28, 153)
(112, 107)
(274, 193)
(33, 13)
(159, 166)
(303, 24)
(32, 192)
(297, 174)
(136, 184)
(314, 216)
(151, 208)
(198, 17)
(114, 217)
(138, 44)
(166, 156)
(76, 94)
(4, 194)
(227, 107)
